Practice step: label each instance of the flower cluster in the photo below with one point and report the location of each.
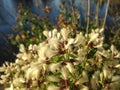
(64, 62)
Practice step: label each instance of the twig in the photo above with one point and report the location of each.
(88, 17)
(97, 13)
(106, 14)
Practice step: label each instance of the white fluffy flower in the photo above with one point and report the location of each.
(11, 87)
(84, 88)
(54, 43)
(45, 52)
(107, 73)
(53, 78)
(24, 56)
(93, 36)
(65, 73)
(53, 87)
(33, 72)
(46, 33)
(54, 32)
(80, 39)
(117, 66)
(115, 79)
(28, 73)
(70, 68)
(22, 48)
(95, 79)
(69, 45)
(18, 81)
(33, 47)
(54, 67)
(115, 53)
(65, 32)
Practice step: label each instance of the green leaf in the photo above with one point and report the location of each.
(87, 38)
(91, 53)
(73, 55)
(13, 42)
(57, 58)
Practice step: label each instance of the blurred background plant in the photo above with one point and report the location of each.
(115, 31)
(29, 28)
(30, 25)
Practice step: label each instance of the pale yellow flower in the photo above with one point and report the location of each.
(54, 32)
(53, 78)
(24, 56)
(84, 88)
(54, 67)
(11, 87)
(70, 68)
(84, 77)
(69, 45)
(115, 53)
(95, 80)
(65, 73)
(54, 43)
(18, 82)
(22, 48)
(45, 52)
(80, 39)
(93, 36)
(28, 73)
(53, 87)
(117, 66)
(64, 32)
(33, 47)
(46, 33)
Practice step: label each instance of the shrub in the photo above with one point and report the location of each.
(64, 62)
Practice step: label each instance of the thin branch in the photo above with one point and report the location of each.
(106, 12)
(37, 3)
(97, 13)
(88, 17)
